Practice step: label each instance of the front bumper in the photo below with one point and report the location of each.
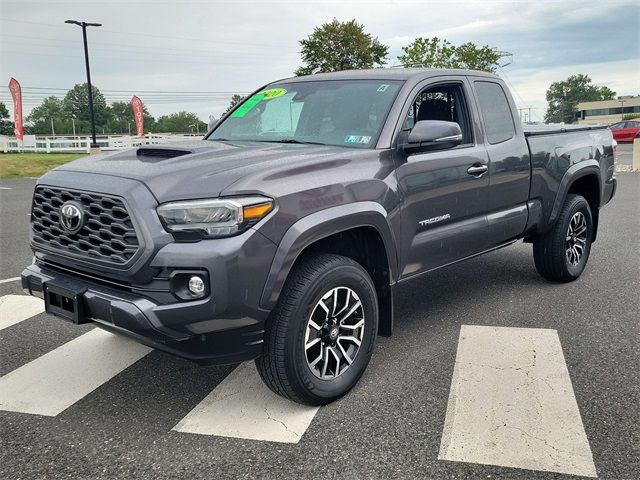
(222, 341)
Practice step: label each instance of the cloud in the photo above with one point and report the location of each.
(236, 46)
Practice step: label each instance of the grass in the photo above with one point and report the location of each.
(21, 165)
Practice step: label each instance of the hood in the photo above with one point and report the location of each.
(201, 169)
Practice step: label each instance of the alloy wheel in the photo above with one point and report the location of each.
(334, 333)
(576, 238)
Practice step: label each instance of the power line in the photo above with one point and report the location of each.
(513, 89)
(162, 51)
(137, 60)
(133, 33)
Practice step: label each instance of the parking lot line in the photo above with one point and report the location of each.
(16, 308)
(241, 406)
(512, 404)
(55, 381)
(12, 279)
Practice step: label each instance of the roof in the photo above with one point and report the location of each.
(386, 74)
(614, 103)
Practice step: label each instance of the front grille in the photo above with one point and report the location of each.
(108, 233)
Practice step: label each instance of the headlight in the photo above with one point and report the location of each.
(214, 218)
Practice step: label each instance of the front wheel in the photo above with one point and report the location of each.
(561, 254)
(320, 337)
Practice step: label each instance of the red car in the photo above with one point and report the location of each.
(625, 131)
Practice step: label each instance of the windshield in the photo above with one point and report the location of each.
(348, 113)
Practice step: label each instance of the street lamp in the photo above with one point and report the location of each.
(84, 25)
(621, 109)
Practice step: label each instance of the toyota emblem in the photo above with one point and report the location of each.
(71, 217)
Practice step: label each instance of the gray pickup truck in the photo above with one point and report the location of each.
(282, 235)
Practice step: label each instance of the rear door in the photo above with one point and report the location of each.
(444, 206)
(509, 163)
(630, 130)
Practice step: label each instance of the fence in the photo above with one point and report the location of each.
(33, 143)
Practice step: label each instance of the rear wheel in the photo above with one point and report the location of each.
(561, 254)
(320, 337)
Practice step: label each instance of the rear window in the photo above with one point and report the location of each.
(496, 112)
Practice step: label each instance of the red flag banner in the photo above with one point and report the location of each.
(16, 93)
(138, 115)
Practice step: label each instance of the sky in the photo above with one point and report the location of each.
(220, 47)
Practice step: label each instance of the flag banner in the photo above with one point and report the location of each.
(138, 115)
(16, 93)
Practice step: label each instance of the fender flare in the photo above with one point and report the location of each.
(320, 225)
(573, 173)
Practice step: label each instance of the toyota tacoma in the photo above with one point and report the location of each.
(283, 234)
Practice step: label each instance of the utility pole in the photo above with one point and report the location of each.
(53, 132)
(84, 25)
(622, 110)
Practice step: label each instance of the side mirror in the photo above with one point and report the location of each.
(433, 135)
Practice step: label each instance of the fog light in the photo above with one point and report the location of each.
(196, 285)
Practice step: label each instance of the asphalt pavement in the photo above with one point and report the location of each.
(102, 408)
(625, 154)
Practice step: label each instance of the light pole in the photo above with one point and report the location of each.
(621, 109)
(84, 25)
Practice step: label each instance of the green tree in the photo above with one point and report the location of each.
(51, 109)
(122, 118)
(76, 105)
(338, 46)
(440, 53)
(181, 122)
(235, 100)
(564, 96)
(6, 125)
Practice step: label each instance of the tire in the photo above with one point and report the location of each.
(291, 341)
(551, 253)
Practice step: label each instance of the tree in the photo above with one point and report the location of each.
(440, 53)
(235, 100)
(564, 96)
(181, 122)
(76, 105)
(338, 46)
(122, 118)
(51, 109)
(6, 125)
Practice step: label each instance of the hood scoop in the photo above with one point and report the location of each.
(151, 154)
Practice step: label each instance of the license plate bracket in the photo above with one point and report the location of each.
(64, 300)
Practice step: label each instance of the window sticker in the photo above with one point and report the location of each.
(358, 139)
(273, 93)
(382, 88)
(247, 106)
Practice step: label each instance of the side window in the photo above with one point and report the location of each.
(442, 102)
(496, 112)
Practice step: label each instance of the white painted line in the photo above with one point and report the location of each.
(512, 404)
(241, 406)
(12, 279)
(6, 188)
(53, 382)
(16, 308)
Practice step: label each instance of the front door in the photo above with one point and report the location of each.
(444, 212)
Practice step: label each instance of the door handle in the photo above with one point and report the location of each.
(477, 170)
